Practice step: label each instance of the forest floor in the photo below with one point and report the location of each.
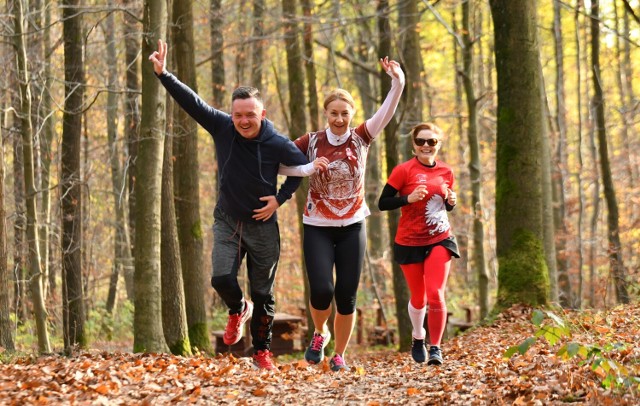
(475, 371)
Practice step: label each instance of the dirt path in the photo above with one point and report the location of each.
(474, 372)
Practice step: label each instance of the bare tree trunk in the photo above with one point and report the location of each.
(6, 327)
(462, 178)
(310, 67)
(563, 291)
(297, 118)
(625, 109)
(616, 263)
(475, 166)
(35, 272)
(314, 120)
(578, 61)
(400, 289)
(174, 312)
(186, 184)
(19, 222)
(46, 140)
(257, 44)
(217, 55)
(132, 123)
(632, 108)
(595, 214)
(123, 260)
(241, 49)
(411, 104)
(147, 323)
(523, 275)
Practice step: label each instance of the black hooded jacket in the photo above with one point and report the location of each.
(247, 168)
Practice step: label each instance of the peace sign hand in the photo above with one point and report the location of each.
(159, 58)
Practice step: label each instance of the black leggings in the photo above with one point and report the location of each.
(343, 247)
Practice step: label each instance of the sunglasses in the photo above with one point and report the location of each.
(432, 142)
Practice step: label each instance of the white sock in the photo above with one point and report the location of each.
(417, 321)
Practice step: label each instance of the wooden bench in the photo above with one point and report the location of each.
(458, 325)
(285, 337)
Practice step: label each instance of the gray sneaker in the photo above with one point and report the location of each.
(315, 352)
(435, 356)
(337, 363)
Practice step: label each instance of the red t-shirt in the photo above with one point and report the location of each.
(424, 222)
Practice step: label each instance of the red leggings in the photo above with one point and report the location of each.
(427, 282)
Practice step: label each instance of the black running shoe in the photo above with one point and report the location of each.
(418, 350)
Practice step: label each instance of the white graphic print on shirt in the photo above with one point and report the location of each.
(435, 214)
(338, 191)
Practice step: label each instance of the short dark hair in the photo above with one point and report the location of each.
(246, 92)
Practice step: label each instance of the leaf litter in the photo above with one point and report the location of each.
(475, 372)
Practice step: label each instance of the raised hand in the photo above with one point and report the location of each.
(392, 67)
(159, 58)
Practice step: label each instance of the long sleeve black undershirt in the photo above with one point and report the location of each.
(389, 199)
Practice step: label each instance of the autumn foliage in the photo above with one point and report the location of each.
(475, 372)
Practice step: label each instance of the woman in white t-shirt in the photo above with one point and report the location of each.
(334, 227)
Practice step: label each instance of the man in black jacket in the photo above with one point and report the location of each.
(249, 152)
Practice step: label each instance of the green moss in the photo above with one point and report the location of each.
(182, 347)
(196, 230)
(199, 337)
(523, 275)
(505, 185)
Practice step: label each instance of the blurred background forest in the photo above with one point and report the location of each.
(74, 80)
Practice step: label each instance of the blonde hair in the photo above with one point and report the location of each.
(339, 94)
(425, 126)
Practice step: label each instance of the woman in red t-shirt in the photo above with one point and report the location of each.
(422, 188)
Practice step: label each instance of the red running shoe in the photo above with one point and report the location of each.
(262, 359)
(235, 324)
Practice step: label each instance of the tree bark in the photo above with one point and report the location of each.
(71, 179)
(147, 323)
(174, 313)
(563, 292)
(46, 140)
(400, 289)
(6, 327)
(474, 166)
(123, 260)
(314, 122)
(522, 276)
(217, 53)
(19, 224)
(132, 123)
(257, 44)
(616, 264)
(186, 183)
(412, 100)
(581, 214)
(33, 243)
